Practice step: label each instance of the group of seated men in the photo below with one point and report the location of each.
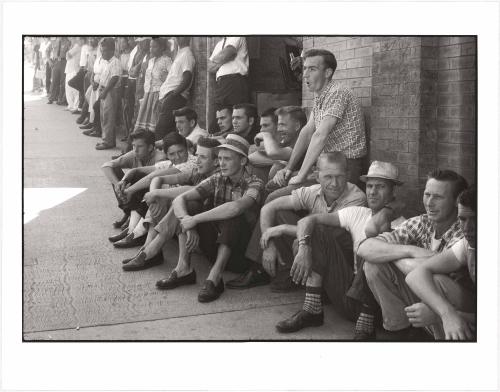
(280, 208)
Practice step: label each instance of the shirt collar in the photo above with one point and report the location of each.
(331, 84)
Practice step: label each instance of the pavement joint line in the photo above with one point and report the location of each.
(159, 319)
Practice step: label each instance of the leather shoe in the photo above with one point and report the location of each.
(118, 237)
(299, 320)
(210, 292)
(80, 120)
(174, 281)
(252, 278)
(139, 262)
(88, 132)
(87, 126)
(129, 241)
(95, 133)
(102, 146)
(50, 102)
(120, 223)
(362, 335)
(284, 285)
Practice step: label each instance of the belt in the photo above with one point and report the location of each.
(236, 75)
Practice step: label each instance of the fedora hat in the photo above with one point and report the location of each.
(384, 170)
(236, 143)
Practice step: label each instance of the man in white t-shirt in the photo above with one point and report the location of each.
(186, 122)
(322, 263)
(448, 307)
(174, 92)
(229, 62)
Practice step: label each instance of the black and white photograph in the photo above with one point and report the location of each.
(226, 192)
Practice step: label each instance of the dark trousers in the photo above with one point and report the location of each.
(57, 92)
(97, 115)
(166, 121)
(77, 82)
(234, 233)
(128, 106)
(333, 259)
(229, 90)
(48, 76)
(135, 203)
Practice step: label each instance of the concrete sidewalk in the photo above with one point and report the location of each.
(74, 286)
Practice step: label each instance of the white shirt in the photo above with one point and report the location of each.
(466, 255)
(184, 61)
(354, 220)
(99, 65)
(73, 63)
(196, 133)
(84, 55)
(111, 68)
(237, 66)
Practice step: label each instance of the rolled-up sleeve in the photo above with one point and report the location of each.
(404, 234)
(255, 189)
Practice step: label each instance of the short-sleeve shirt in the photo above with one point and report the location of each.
(240, 63)
(130, 160)
(354, 220)
(184, 62)
(218, 190)
(99, 65)
(73, 63)
(111, 68)
(84, 54)
(348, 135)
(156, 73)
(466, 255)
(311, 199)
(419, 231)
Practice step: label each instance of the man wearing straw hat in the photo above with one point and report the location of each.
(223, 229)
(325, 259)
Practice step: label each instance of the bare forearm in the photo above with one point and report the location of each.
(267, 216)
(377, 251)
(421, 281)
(408, 264)
(179, 206)
(111, 84)
(316, 145)
(299, 149)
(110, 175)
(223, 212)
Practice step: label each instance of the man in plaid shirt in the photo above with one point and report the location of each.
(336, 124)
(391, 256)
(224, 226)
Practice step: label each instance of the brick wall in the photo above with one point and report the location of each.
(418, 97)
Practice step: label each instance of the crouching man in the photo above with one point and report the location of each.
(447, 307)
(224, 227)
(391, 256)
(326, 259)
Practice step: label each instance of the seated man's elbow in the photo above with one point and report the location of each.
(364, 250)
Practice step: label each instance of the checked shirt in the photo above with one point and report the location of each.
(348, 135)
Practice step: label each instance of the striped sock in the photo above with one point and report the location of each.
(365, 322)
(312, 302)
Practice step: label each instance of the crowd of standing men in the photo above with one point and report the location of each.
(280, 198)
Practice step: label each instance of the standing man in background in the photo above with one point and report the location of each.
(229, 62)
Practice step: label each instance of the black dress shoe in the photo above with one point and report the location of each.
(284, 285)
(87, 126)
(129, 241)
(299, 320)
(75, 111)
(139, 262)
(174, 281)
(80, 120)
(210, 292)
(50, 102)
(118, 237)
(365, 336)
(252, 278)
(120, 223)
(95, 133)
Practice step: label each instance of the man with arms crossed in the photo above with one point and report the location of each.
(391, 256)
(447, 307)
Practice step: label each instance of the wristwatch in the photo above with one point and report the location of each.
(305, 240)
